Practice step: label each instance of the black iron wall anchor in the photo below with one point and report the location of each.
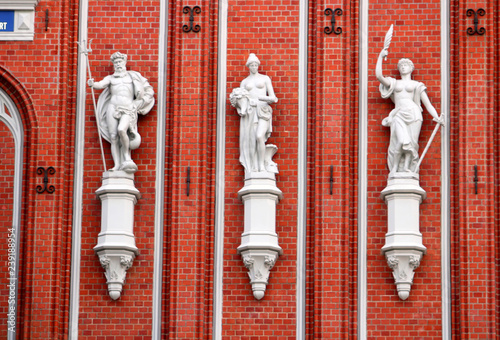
(480, 12)
(331, 179)
(46, 19)
(333, 13)
(475, 178)
(45, 172)
(188, 180)
(191, 11)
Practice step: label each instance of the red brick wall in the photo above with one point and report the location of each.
(496, 95)
(332, 142)
(474, 141)
(189, 219)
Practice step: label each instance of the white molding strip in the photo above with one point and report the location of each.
(76, 230)
(161, 115)
(363, 169)
(445, 170)
(220, 170)
(19, 4)
(15, 125)
(302, 172)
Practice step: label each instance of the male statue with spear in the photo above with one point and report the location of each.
(126, 94)
(406, 119)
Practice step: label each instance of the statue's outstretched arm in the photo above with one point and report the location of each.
(99, 85)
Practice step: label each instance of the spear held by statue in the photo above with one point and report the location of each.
(86, 51)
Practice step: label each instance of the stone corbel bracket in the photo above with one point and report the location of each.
(403, 264)
(115, 264)
(259, 247)
(116, 247)
(403, 247)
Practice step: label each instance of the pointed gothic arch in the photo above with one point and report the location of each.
(17, 118)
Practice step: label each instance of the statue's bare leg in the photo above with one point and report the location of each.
(112, 123)
(395, 166)
(123, 127)
(397, 158)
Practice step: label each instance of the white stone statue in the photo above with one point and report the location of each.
(259, 247)
(252, 101)
(126, 94)
(403, 195)
(405, 120)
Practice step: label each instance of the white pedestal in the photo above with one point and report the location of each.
(259, 247)
(403, 247)
(116, 247)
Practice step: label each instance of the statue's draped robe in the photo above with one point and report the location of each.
(405, 125)
(251, 111)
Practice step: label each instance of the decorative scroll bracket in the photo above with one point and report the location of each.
(480, 12)
(333, 13)
(191, 11)
(45, 172)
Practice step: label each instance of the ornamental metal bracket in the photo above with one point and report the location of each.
(472, 31)
(191, 11)
(45, 172)
(333, 13)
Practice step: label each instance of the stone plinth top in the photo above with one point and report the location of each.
(118, 182)
(403, 185)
